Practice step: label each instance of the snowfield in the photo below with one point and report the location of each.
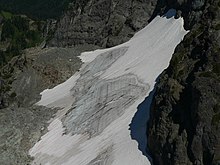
(99, 102)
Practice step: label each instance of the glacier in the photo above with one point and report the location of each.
(98, 103)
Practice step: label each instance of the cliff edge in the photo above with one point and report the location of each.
(185, 112)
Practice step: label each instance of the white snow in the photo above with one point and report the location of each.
(148, 54)
(61, 91)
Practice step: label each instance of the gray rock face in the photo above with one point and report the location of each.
(184, 122)
(21, 122)
(44, 69)
(197, 4)
(20, 128)
(190, 10)
(105, 23)
(184, 125)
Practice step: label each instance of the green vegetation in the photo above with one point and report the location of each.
(216, 119)
(216, 108)
(40, 9)
(177, 58)
(13, 95)
(6, 15)
(217, 27)
(175, 89)
(18, 33)
(193, 34)
(177, 67)
(215, 73)
(2, 58)
(206, 74)
(216, 68)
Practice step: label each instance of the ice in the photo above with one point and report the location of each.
(100, 136)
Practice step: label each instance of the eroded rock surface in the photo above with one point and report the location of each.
(102, 22)
(184, 123)
(21, 122)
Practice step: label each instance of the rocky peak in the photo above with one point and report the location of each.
(184, 122)
(105, 23)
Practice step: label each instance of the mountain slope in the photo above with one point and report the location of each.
(184, 122)
(38, 9)
(98, 103)
(23, 78)
(105, 23)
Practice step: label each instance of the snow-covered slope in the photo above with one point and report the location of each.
(98, 103)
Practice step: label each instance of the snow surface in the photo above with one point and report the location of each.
(148, 54)
(61, 91)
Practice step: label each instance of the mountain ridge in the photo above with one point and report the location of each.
(184, 122)
(191, 82)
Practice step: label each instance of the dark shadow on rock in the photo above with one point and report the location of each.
(161, 9)
(138, 126)
(170, 13)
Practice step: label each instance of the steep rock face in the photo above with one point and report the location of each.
(21, 122)
(99, 103)
(105, 23)
(184, 126)
(190, 10)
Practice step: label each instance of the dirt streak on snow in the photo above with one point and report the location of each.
(148, 54)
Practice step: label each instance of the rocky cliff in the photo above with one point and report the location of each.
(85, 23)
(184, 126)
(22, 122)
(105, 23)
(185, 113)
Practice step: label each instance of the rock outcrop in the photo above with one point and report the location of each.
(21, 122)
(105, 23)
(88, 23)
(185, 114)
(184, 126)
(98, 123)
